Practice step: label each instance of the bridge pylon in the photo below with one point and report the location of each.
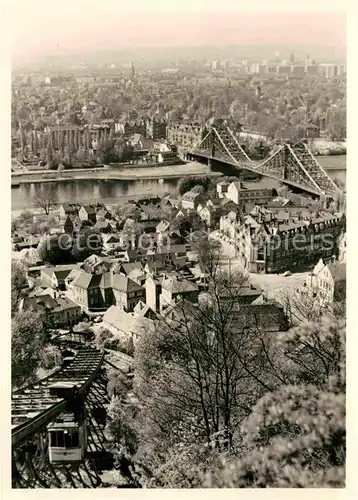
(291, 164)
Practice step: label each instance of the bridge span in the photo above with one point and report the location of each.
(291, 164)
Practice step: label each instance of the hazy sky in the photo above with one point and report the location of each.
(42, 27)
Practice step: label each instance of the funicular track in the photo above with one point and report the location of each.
(33, 407)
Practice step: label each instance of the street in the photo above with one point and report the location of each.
(276, 286)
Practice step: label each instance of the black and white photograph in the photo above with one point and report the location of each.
(178, 245)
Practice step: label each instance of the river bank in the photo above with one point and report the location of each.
(114, 173)
(117, 185)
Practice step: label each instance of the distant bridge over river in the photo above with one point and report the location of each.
(291, 164)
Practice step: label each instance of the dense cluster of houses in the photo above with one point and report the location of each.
(134, 282)
(131, 297)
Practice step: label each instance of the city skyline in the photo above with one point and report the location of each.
(110, 27)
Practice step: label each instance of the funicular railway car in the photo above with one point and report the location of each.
(67, 439)
(68, 433)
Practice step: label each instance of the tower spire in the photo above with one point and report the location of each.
(133, 70)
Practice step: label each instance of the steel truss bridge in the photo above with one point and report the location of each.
(294, 165)
(33, 407)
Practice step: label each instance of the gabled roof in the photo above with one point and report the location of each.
(127, 323)
(156, 265)
(119, 319)
(142, 309)
(28, 242)
(31, 255)
(103, 211)
(232, 216)
(70, 207)
(228, 204)
(106, 280)
(136, 274)
(175, 285)
(62, 274)
(64, 303)
(86, 280)
(75, 220)
(94, 208)
(125, 284)
(250, 221)
(147, 224)
(43, 301)
(60, 271)
(196, 271)
(93, 260)
(214, 202)
(178, 262)
(128, 267)
(73, 274)
(259, 210)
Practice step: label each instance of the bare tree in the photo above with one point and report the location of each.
(206, 363)
(310, 304)
(46, 198)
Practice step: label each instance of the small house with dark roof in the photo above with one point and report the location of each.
(69, 208)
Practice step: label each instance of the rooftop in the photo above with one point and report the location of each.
(125, 284)
(127, 323)
(176, 285)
